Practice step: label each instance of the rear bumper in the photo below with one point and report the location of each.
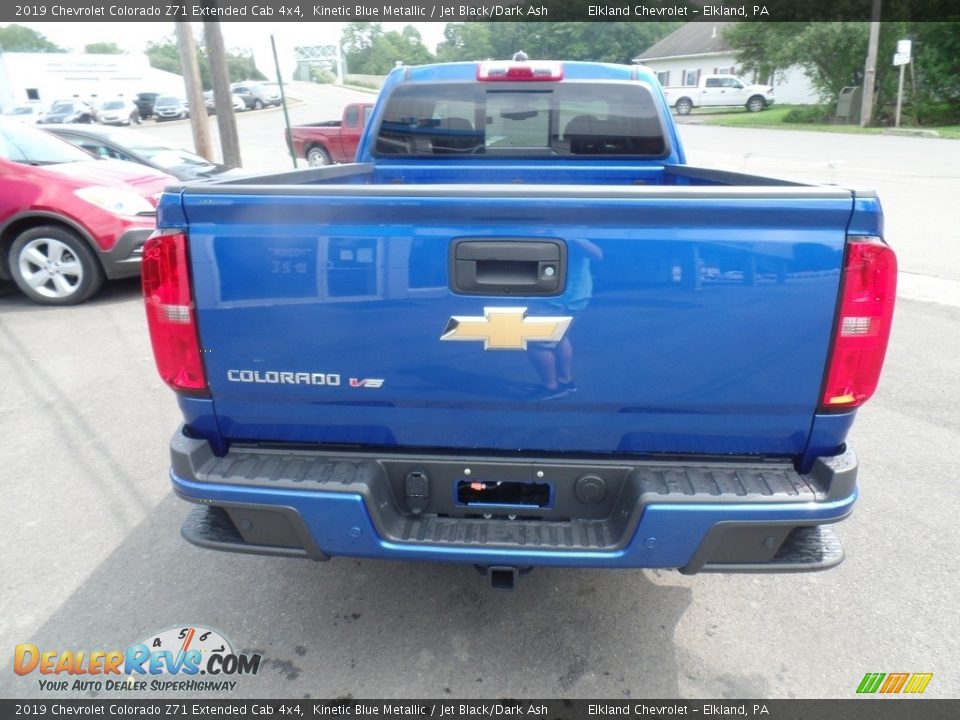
(695, 516)
(124, 258)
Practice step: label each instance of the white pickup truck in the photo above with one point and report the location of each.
(719, 91)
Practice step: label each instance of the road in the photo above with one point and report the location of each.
(92, 558)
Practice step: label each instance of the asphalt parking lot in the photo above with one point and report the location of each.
(92, 557)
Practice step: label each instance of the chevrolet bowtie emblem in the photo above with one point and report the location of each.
(503, 328)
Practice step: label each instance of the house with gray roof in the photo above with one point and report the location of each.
(698, 48)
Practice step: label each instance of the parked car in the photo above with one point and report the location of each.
(238, 104)
(68, 111)
(170, 107)
(25, 112)
(68, 221)
(256, 96)
(138, 147)
(118, 112)
(144, 102)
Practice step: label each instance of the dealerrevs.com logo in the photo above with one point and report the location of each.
(172, 660)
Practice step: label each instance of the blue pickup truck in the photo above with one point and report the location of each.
(520, 331)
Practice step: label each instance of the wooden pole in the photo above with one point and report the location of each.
(191, 80)
(222, 97)
(283, 101)
(899, 97)
(870, 72)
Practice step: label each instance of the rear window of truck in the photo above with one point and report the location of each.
(568, 119)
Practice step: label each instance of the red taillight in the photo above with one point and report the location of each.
(868, 290)
(171, 314)
(522, 71)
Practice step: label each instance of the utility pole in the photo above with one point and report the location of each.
(283, 101)
(222, 97)
(870, 72)
(191, 80)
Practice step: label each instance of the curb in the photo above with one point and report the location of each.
(911, 132)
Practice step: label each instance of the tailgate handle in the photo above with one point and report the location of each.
(508, 267)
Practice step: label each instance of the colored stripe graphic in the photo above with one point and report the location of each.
(918, 683)
(870, 682)
(894, 683)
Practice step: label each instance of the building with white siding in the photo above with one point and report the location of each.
(46, 77)
(698, 48)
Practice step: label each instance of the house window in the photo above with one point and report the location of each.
(33, 94)
(664, 78)
(691, 77)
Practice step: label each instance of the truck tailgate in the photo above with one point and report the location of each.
(699, 317)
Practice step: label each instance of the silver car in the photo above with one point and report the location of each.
(118, 112)
(170, 107)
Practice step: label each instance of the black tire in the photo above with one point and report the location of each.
(756, 104)
(683, 106)
(257, 105)
(318, 157)
(72, 276)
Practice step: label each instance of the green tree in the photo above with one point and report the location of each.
(17, 38)
(371, 51)
(103, 48)
(164, 55)
(935, 73)
(241, 66)
(763, 48)
(833, 54)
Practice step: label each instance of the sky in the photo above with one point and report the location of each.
(134, 36)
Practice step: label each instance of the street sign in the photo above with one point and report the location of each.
(316, 52)
(903, 48)
(901, 58)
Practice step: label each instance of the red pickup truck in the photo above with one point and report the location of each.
(330, 141)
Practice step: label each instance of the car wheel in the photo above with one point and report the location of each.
(257, 105)
(317, 157)
(683, 106)
(756, 104)
(53, 265)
